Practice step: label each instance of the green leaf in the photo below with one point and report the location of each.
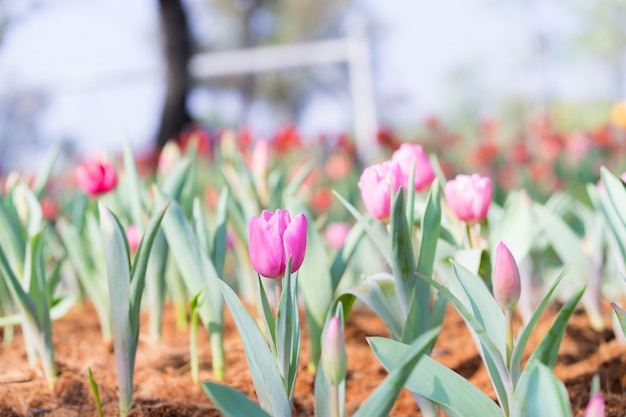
(266, 378)
(418, 316)
(379, 293)
(456, 396)
(173, 185)
(548, 348)
(132, 187)
(96, 393)
(402, 252)
(288, 331)
(516, 227)
(231, 402)
(218, 249)
(270, 323)
(44, 174)
(380, 402)
(345, 254)
(540, 393)
(520, 344)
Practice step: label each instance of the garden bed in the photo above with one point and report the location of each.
(164, 386)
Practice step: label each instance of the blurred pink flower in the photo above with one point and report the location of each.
(96, 176)
(133, 236)
(336, 233)
(377, 184)
(273, 238)
(506, 278)
(469, 197)
(404, 157)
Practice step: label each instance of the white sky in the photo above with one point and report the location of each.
(101, 59)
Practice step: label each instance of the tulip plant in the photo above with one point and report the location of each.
(126, 285)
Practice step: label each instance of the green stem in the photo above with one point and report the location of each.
(508, 317)
(216, 339)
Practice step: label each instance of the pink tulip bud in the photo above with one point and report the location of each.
(170, 155)
(595, 406)
(377, 184)
(334, 356)
(424, 174)
(336, 234)
(273, 238)
(469, 196)
(261, 158)
(133, 236)
(506, 279)
(96, 176)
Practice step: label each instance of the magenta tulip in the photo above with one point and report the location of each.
(595, 406)
(334, 358)
(506, 278)
(133, 236)
(273, 238)
(469, 196)
(96, 176)
(404, 157)
(377, 184)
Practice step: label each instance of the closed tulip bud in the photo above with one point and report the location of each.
(170, 155)
(273, 238)
(595, 406)
(469, 197)
(377, 184)
(506, 279)
(96, 176)
(334, 356)
(336, 234)
(424, 174)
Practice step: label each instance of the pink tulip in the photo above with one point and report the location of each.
(469, 196)
(133, 236)
(506, 278)
(377, 184)
(424, 174)
(336, 234)
(595, 406)
(96, 176)
(273, 238)
(334, 356)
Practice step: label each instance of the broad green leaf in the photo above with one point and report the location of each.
(344, 255)
(379, 293)
(418, 316)
(402, 254)
(456, 396)
(269, 322)
(231, 402)
(520, 344)
(266, 378)
(516, 227)
(540, 393)
(380, 402)
(13, 242)
(322, 389)
(491, 353)
(173, 185)
(45, 172)
(288, 331)
(617, 194)
(548, 348)
(219, 246)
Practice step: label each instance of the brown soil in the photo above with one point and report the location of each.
(164, 387)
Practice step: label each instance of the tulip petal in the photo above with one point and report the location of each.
(265, 248)
(295, 241)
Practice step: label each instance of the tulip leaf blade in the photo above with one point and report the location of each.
(232, 402)
(540, 393)
(460, 398)
(620, 313)
(266, 377)
(345, 254)
(403, 258)
(380, 402)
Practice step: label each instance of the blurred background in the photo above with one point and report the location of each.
(91, 73)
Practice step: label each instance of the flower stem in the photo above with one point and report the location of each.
(334, 400)
(508, 317)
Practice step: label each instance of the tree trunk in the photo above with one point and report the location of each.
(177, 50)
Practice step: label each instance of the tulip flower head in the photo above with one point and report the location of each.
(273, 238)
(133, 236)
(336, 234)
(96, 176)
(506, 278)
(334, 356)
(424, 174)
(377, 184)
(469, 196)
(595, 406)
